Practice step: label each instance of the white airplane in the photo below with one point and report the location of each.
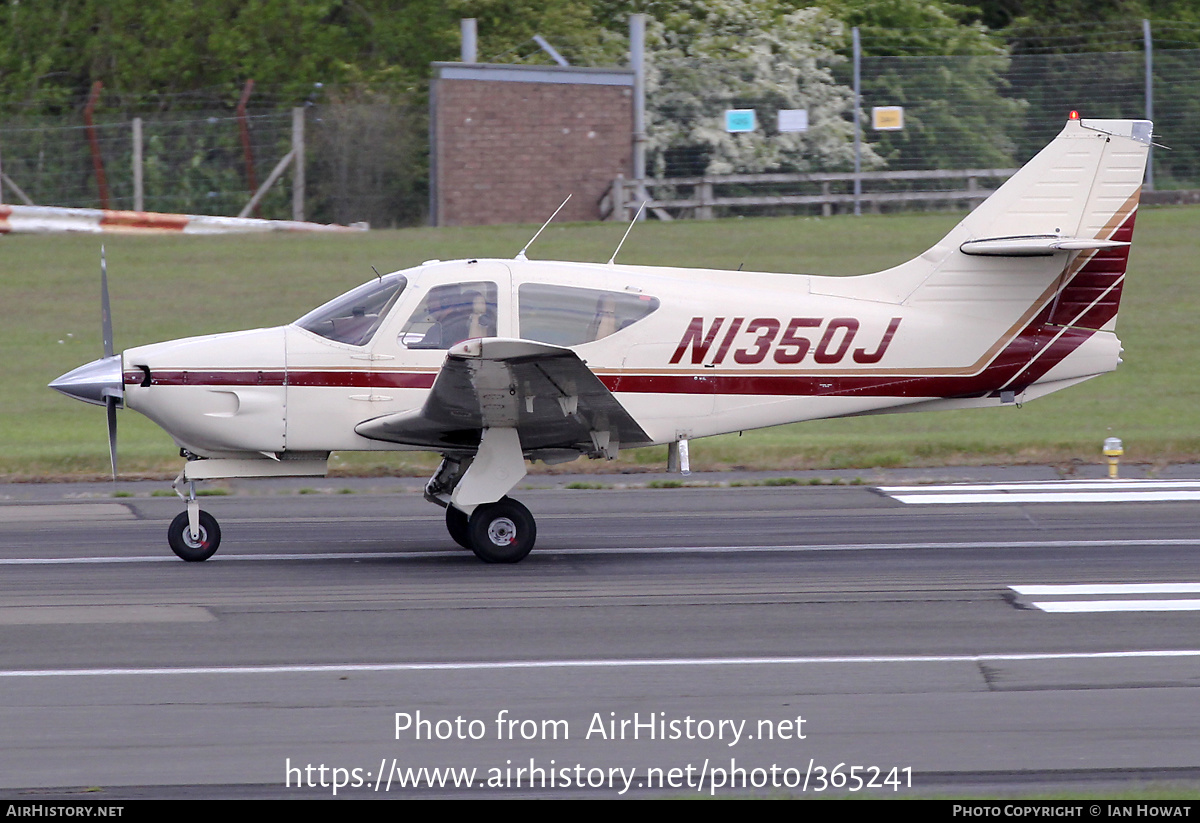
(495, 362)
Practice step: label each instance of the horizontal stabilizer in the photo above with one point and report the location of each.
(1039, 245)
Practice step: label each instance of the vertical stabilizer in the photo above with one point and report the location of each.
(1021, 297)
(1055, 236)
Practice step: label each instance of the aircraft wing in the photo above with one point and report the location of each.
(547, 393)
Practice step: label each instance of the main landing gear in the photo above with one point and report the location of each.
(479, 514)
(500, 532)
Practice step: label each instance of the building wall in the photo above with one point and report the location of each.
(508, 146)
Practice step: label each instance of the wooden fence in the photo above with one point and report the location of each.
(706, 197)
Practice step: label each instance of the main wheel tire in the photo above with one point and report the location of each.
(501, 532)
(458, 524)
(193, 551)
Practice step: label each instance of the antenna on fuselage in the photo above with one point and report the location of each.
(521, 253)
(377, 274)
(627, 231)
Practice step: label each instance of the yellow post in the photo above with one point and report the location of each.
(1113, 451)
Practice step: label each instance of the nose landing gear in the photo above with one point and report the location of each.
(193, 535)
(202, 546)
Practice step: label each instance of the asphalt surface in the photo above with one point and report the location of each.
(657, 641)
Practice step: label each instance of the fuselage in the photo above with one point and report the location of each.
(688, 352)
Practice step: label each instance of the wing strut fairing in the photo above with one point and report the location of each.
(556, 404)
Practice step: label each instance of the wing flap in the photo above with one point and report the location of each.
(547, 393)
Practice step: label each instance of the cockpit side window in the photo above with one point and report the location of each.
(566, 316)
(354, 317)
(451, 314)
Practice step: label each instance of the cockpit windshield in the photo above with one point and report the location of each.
(354, 317)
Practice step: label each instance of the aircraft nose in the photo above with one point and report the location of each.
(93, 382)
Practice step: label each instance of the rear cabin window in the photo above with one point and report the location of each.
(565, 316)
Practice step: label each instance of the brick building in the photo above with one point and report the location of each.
(509, 143)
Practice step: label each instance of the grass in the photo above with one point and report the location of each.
(170, 287)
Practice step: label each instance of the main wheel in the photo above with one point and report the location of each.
(501, 532)
(180, 537)
(457, 525)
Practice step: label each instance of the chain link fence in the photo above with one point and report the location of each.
(960, 112)
(367, 158)
(192, 164)
(365, 161)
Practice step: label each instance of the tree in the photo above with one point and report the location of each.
(706, 56)
(51, 53)
(506, 29)
(947, 73)
(1088, 55)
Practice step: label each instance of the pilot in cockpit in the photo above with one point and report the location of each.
(456, 317)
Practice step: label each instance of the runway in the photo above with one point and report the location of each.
(845, 637)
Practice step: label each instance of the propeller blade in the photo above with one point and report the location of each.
(110, 404)
(105, 310)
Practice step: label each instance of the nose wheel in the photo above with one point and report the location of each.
(200, 547)
(500, 532)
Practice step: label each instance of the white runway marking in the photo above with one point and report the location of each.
(1060, 491)
(1110, 597)
(1110, 588)
(601, 663)
(1080, 606)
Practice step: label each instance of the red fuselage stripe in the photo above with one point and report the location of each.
(322, 379)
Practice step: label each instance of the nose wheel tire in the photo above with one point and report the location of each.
(457, 525)
(501, 532)
(180, 537)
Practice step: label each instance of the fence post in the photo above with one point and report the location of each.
(139, 194)
(298, 181)
(857, 121)
(637, 60)
(275, 174)
(247, 146)
(705, 191)
(94, 143)
(469, 49)
(12, 186)
(1149, 48)
(616, 199)
(826, 207)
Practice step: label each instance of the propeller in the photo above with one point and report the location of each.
(111, 398)
(101, 381)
